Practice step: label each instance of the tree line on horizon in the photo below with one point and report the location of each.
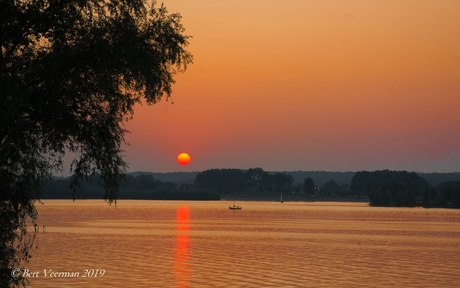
(382, 187)
(142, 187)
(405, 189)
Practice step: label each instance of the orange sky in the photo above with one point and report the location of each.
(309, 85)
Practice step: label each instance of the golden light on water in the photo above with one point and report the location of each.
(181, 268)
(203, 244)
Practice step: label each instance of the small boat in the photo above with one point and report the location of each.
(234, 207)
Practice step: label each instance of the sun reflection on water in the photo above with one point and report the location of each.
(181, 268)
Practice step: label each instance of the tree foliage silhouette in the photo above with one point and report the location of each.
(70, 75)
(309, 185)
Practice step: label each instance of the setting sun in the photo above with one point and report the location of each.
(183, 158)
(370, 72)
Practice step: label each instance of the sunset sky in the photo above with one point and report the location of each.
(292, 85)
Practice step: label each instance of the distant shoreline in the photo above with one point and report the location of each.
(290, 198)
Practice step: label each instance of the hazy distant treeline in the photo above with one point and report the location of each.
(143, 186)
(382, 188)
(236, 180)
(402, 188)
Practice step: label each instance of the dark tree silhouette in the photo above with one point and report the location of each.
(254, 178)
(70, 74)
(224, 180)
(308, 185)
(282, 180)
(455, 198)
(331, 187)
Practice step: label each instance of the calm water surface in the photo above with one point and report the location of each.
(266, 244)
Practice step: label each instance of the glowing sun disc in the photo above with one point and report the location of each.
(183, 158)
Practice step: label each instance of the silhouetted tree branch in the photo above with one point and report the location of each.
(70, 75)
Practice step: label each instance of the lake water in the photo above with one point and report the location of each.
(266, 244)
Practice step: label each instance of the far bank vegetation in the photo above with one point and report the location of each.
(379, 188)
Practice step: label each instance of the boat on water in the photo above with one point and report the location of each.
(234, 207)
